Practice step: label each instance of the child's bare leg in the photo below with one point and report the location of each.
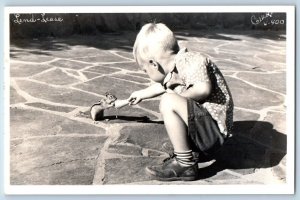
(173, 108)
(182, 166)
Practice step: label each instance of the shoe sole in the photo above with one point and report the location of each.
(150, 172)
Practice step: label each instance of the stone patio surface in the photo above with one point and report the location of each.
(55, 80)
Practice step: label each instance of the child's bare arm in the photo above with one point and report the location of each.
(149, 92)
(198, 92)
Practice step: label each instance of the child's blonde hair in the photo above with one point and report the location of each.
(154, 35)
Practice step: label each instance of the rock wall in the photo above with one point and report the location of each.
(57, 25)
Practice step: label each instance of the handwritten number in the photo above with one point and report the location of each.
(265, 19)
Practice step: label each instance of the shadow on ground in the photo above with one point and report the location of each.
(259, 147)
(125, 118)
(124, 40)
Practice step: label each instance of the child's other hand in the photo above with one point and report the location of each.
(135, 98)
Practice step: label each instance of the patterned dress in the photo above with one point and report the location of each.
(192, 67)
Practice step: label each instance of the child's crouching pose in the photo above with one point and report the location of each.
(196, 104)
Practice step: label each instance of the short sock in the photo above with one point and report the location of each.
(185, 158)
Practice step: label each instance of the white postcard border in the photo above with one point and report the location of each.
(287, 188)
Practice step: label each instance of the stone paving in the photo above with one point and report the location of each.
(55, 80)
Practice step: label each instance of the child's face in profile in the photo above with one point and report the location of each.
(152, 68)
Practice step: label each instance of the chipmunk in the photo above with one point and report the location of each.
(108, 101)
(104, 103)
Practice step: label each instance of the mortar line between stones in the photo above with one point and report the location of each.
(116, 54)
(99, 175)
(88, 67)
(264, 112)
(247, 109)
(216, 49)
(255, 72)
(240, 63)
(107, 63)
(33, 63)
(81, 76)
(40, 73)
(41, 82)
(67, 115)
(70, 86)
(73, 135)
(144, 84)
(31, 99)
(79, 61)
(64, 162)
(259, 87)
(271, 61)
(84, 91)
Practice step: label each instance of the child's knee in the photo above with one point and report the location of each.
(167, 102)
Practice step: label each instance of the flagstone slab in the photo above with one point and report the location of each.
(103, 57)
(278, 119)
(141, 74)
(57, 94)
(241, 181)
(152, 105)
(266, 80)
(247, 96)
(222, 176)
(245, 171)
(206, 44)
(277, 47)
(244, 116)
(281, 58)
(121, 88)
(15, 97)
(128, 170)
(214, 56)
(131, 66)
(32, 57)
(226, 73)
(77, 51)
(102, 69)
(63, 109)
(56, 77)
(90, 75)
(131, 78)
(240, 48)
(258, 63)
(27, 123)
(125, 149)
(227, 64)
(73, 72)
(49, 148)
(151, 136)
(73, 173)
(126, 54)
(280, 170)
(55, 160)
(25, 70)
(69, 64)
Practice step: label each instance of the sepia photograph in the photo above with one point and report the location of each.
(114, 99)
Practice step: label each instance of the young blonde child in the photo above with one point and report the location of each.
(196, 104)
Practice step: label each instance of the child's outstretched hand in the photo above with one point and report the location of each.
(135, 98)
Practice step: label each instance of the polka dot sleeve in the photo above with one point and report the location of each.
(197, 71)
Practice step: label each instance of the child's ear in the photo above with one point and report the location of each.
(154, 63)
